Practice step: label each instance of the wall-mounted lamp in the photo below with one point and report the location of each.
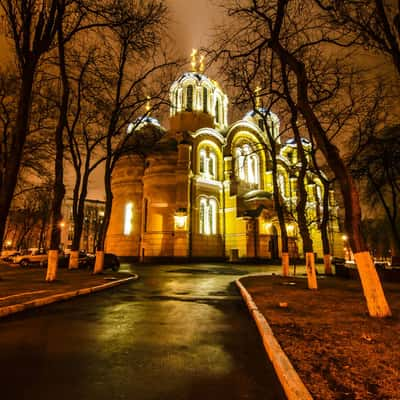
(180, 218)
(268, 227)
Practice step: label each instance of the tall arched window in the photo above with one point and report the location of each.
(240, 164)
(208, 216)
(205, 99)
(189, 98)
(217, 113)
(208, 163)
(247, 164)
(281, 184)
(128, 218)
(202, 155)
(176, 100)
(212, 164)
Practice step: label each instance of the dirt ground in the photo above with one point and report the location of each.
(337, 349)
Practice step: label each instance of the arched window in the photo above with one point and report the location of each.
(240, 164)
(217, 116)
(208, 163)
(189, 98)
(247, 164)
(128, 218)
(212, 164)
(176, 101)
(253, 169)
(208, 216)
(205, 99)
(203, 161)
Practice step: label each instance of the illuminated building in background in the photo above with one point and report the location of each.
(203, 189)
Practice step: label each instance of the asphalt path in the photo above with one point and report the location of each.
(179, 332)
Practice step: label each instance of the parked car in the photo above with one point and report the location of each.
(111, 261)
(30, 257)
(63, 261)
(8, 256)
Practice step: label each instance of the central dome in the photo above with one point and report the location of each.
(195, 93)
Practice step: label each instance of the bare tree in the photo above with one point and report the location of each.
(301, 211)
(29, 218)
(372, 24)
(85, 138)
(377, 163)
(31, 27)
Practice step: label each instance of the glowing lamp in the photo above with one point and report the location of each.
(180, 218)
(268, 226)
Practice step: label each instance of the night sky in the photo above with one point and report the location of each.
(192, 22)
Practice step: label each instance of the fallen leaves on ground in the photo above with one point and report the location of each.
(337, 349)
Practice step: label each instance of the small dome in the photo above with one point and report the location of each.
(259, 116)
(192, 75)
(141, 122)
(292, 142)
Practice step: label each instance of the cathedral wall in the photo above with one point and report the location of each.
(159, 192)
(236, 234)
(123, 234)
(205, 246)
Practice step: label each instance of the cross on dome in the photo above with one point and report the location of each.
(197, 62)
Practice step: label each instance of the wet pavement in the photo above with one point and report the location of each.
(179, 332)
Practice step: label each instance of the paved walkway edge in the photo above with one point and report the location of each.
(8, 310)
(292, 384)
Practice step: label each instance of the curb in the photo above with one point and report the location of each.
(8, 310)
(293, 386)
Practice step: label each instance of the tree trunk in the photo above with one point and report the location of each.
(376, 301)
(73, 259)
(59, 188)
(301, 211)
(324, 230)
(279, 210)
(328, 264)
(79, 216)
(99, 263)
(99, 266)
(52, 264)
(310, 269)
(285, 264)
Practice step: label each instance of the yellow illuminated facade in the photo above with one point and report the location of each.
(204, 190)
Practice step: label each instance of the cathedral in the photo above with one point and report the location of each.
(204, 189)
